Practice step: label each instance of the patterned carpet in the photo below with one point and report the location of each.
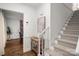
(15, 48)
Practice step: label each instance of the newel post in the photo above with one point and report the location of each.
(77, 47)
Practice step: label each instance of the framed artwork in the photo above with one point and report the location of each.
(41, 24)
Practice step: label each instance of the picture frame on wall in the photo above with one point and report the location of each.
(41, 24)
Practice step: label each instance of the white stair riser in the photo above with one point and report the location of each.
(71, 32)
(76, 16)
(70, 38)
(67, 44)
(73, 24)
(64, 52)
(74, 20)
(72, 28)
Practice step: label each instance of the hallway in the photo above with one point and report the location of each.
(15, 48)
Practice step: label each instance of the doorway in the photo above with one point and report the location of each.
(14, 32)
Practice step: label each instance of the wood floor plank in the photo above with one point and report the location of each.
(15, 48)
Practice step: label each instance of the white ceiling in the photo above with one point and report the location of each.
(12, 15)
(15, 15)
(35, 5)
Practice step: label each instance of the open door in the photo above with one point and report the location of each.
(21, 31)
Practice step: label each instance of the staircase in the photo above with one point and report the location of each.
(66, 45)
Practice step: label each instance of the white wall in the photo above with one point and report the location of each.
(69, 5)
(45, 10)
(59, 14)
(12, 19)
(29, 15)
(14, 25)
(56, 15)
(5, 25)
(2, 32)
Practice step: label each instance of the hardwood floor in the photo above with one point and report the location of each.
(29, 53)
(15, 48)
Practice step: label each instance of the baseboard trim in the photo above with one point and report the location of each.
(2, 55)
(14, 39)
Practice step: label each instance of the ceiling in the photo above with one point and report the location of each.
(15, 15)
(12, 15)
(35, 5)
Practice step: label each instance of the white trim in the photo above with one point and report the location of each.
(77, 47)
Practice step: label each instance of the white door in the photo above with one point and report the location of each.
(2, 34)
